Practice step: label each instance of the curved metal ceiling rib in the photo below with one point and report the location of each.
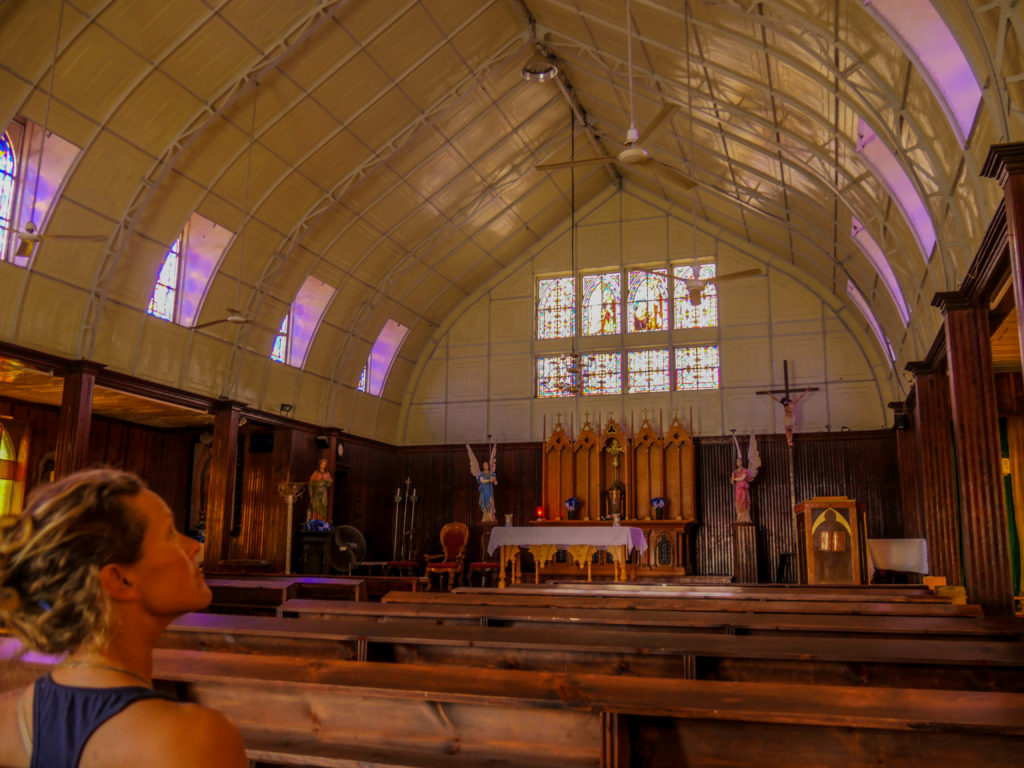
(397, 197)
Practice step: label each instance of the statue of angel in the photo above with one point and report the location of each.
(742, 477)
(486, 480)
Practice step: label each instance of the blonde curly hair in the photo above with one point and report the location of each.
(51, 556)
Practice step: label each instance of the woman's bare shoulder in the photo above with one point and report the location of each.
(174, 734)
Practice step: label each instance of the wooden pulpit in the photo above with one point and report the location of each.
(830, 541)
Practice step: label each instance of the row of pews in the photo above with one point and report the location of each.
(605, 675)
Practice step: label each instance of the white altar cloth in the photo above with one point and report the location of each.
(910, 555)
(564, 536)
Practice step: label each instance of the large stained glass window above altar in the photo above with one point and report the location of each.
(697, 367)
(602, 296)
(648, 300)
(648, 370)
(602, 374)
(702, 315)
(556, 308)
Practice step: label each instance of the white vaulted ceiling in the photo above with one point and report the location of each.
(394, 151)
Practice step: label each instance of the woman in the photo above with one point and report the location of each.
(319, 484)
(94, 568)
(741, 478)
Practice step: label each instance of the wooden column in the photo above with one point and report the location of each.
(75, 419)
(906, 455)
(1005, 163)
(936, 474)
(221, 497)
(983, 526)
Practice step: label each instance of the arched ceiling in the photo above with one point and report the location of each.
(387, 148)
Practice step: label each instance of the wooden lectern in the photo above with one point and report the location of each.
(830, 541)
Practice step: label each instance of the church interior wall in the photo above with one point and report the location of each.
(162, 457)
(478, 378)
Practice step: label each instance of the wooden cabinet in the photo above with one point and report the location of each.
(830, 541)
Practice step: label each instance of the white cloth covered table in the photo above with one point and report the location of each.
(909, 555)
(581, 542)
(563, 536)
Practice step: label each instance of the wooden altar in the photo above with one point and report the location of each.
(607, 471)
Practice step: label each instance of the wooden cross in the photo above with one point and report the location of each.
(786, 393)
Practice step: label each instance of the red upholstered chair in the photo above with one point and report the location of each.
(487, 568)
(454, 537)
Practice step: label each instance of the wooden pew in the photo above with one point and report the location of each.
(343, 714)
(672, 603)
(979, 628)
(914, 593)
(263, 595)
(951, 664)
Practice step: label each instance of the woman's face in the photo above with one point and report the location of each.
(322, 466)
(167, 574)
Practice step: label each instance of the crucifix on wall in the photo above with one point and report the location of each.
(787, 401)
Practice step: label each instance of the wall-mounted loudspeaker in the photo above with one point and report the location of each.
(322, 441)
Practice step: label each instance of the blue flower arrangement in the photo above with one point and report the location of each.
(658, 502)
(317, 526)
(572, 504)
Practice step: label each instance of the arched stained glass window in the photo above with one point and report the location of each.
(602, 295)
(648, 370)
(648, 300)
(556, 308)
(165, 293)
(555, 376)
(704, 314)
(280, 351)
(361, 386)
(697, 367)
(8, 171)
(602, 374)
(8, 463)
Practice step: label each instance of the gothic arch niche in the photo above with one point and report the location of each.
(558, 483)
(616, 469)
(589, 480)
(680, 467)
(649, 475)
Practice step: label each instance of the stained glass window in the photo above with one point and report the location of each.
(361, 386)
(702, 315)
(555, 376)
(601, 297)
(8, 168)
(161, 304)
(281, 342)
(8, 464)
(648, 370)
(697, 367)
(602, 374)
(648, 300)
(556, 308)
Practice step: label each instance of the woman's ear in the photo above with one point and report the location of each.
(118, 582)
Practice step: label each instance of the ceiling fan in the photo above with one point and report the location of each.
(234, 317)
(633, 153)
(30, 238)
(695, 285)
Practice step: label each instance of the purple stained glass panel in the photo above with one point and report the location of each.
(602, 295)
(704, 314)
(602, 374)
(697, 367)
(361, 386)
(280, 342)
(648, 300)
(161, 304)
(648, 370)
(8, 169)
(556, 308)
(555, 376)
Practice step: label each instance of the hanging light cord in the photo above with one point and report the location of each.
(46, 115)
(629, 56)
(245, 198)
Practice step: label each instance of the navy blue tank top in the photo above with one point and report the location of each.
(65, 716)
